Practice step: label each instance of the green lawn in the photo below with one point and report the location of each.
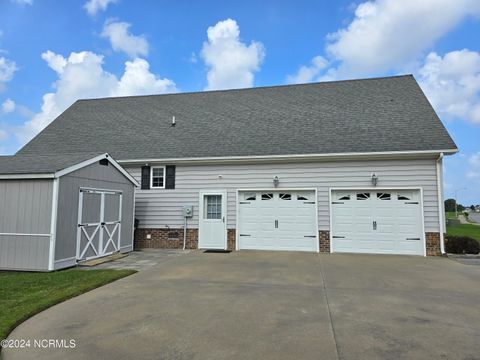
(450, 214)
(469, 230)
(24, 294)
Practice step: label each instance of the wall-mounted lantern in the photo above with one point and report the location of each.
(276, 180)
(374, 179)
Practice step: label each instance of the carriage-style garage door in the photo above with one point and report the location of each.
(377, 221)
(277, 220)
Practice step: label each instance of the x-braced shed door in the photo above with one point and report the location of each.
(99, 222)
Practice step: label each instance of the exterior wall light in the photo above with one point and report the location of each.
(276, 180)
(374, 179)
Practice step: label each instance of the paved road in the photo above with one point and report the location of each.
(475, 217)
(271, 305)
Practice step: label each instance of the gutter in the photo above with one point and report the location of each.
(441, 205)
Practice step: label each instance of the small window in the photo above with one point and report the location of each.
(403, 197)
(157, 177)
(363, 196)
(301, 198)
(212, 207)
(345, 197)
(267, 196)
(383, 196)
(286, 196)
(250, 196)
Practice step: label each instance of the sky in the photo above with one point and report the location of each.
(54, 52)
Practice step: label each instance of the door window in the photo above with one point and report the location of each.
(213, 207)
(363, 196)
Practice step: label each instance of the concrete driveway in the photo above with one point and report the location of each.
(271, 305)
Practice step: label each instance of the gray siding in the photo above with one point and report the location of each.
(25, 208)
(161, 207)
(93, 176)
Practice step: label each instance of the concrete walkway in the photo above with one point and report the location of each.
(271, 305)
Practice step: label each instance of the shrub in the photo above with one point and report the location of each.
(461, 245)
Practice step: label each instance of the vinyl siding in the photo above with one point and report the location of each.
(25, 208)
(159, 208)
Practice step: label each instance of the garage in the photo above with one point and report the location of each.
(379, 221)
(58, 210)
(277, 220)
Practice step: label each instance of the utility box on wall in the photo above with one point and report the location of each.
(187, 211)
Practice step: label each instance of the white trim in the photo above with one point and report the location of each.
(288, 157)
(201, 196)
(276, 189)
(24, 234)
(78, 166)
(65, 259)
(26, 176)
(441, 204)
(53, 225)
(418, 188)
(151, 177)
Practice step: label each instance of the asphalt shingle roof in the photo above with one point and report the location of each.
(369, 115)
(40, 164)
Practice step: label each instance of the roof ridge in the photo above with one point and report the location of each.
(248, 89)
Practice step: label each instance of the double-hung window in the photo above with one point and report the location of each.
(157, 177)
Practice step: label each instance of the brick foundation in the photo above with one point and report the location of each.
(433, 243)
(324, 238)
(173, 239)
(165, 238)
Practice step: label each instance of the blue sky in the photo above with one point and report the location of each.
(54, 52)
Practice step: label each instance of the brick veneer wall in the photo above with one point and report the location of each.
(165, 238)
(433, 243)
(173, 239)
(324, 238)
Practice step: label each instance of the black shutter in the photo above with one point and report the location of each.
(170, 177)
(145, 177)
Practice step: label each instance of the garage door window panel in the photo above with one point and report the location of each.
(363, 196)
(267, 196)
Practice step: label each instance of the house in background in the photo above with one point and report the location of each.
(346, 166)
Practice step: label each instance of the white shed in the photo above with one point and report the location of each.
(56, 210)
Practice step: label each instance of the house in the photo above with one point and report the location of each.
(344, 166)
(58, 209)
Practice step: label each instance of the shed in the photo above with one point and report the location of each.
(56, 210)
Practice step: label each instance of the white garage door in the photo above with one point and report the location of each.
(277, 220)
(377, 221)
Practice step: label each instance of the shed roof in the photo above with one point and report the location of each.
(353, 116)
(18, 166)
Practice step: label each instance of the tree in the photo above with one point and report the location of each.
(450, 205)
(472, 207)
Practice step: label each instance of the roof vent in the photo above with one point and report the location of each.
(173, 120)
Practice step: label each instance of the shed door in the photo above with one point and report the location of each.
(277, 220)
(377, 221)
(99, 223)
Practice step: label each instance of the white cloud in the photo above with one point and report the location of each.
(3, 135)
(387, 34)
(452, 83)
(81, 75)
(122, 40)
(309, 73)
(8, 106)
(473, 171)
(7, 69)
(94, 6)
(231, 62)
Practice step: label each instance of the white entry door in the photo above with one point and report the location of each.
(99, 223)
(212, 232)
(277, 220)
(377, 221)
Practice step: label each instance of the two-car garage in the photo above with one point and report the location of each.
(383, 221)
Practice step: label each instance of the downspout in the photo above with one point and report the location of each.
(441, 205)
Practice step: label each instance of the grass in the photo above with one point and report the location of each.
(450, 214)
(469, 230)
(24, 294)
